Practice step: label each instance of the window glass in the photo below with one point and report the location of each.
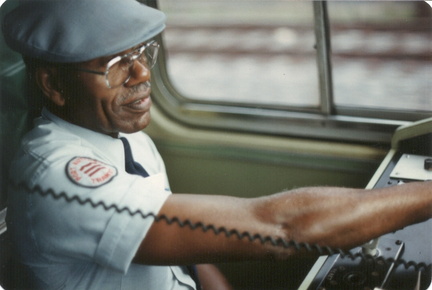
(242, 51)
(382, 54)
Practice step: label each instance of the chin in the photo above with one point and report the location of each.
(136, 126)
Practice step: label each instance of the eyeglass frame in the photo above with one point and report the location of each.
(132, 57)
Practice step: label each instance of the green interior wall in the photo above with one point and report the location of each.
(247, 173)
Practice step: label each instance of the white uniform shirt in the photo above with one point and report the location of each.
(69, 245)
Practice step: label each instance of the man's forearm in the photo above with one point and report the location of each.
(327, 216)
(344, 218)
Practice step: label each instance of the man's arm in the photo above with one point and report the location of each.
(211, 278)
(334, 217)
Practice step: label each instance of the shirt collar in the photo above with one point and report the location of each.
(111, 148)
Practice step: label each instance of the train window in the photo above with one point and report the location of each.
(350, 71)
(250, 52)
(381, 54)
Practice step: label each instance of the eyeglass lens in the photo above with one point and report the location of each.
(119, 72)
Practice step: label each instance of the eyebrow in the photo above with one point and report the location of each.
(129, 50)
(105, 59)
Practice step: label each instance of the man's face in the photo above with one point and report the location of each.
(91, 104)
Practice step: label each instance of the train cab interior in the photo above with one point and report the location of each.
(254, 97)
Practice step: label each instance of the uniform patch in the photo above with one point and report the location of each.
(88, 172)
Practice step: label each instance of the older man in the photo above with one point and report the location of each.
(91, 62)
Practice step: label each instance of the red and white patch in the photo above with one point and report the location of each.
(88, 172)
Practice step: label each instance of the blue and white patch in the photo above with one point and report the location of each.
(89, 172)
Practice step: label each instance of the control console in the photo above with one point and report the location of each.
(399, 260)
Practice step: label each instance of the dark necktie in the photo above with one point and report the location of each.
(132, 167)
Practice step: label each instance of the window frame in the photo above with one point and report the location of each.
(330, 122)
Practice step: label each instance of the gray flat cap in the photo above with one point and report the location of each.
(67, 31)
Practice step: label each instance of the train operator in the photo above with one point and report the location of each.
(91, 62)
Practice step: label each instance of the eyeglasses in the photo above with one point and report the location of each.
(118, 69)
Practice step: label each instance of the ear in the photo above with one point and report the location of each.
(47, 81)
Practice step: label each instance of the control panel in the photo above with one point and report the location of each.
(398, 260)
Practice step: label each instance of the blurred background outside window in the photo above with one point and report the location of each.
(262, 52)
(382, 54)
(256, 52)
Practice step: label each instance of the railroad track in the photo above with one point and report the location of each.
(383, 42)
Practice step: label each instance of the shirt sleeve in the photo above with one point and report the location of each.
(104, 223)
(126, 230)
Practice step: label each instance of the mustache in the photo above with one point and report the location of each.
(144, 87)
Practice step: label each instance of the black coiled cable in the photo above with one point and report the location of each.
(277, 242)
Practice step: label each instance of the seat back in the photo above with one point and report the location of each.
(14, 122)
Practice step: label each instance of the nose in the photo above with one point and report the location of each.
(139, 73)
